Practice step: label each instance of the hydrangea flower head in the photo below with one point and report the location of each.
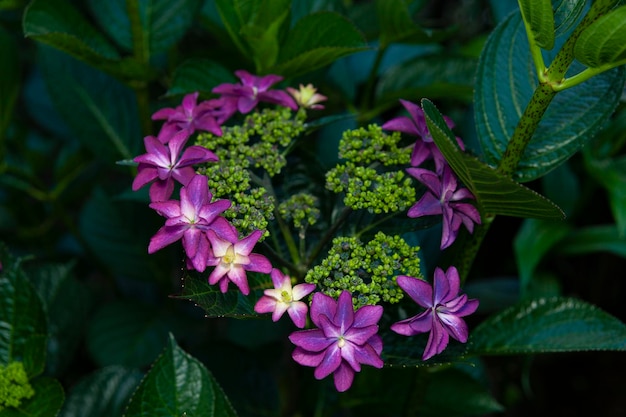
(232, 258)
(189, 219)
(444, 197)
(425, 148)
(254, 89)
(343, 341)
(191, 116)
(285, 298)
(307, 97)
(444, 309)
(163, 163)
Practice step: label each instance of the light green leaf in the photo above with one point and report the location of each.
(23, 328)
(566, 14)
(9, 80)
(603, 43)
(506, 80)
(113, 339)
(605, 238)
(103, 393)
(548, 325)
(315, 41)
(199, 75)
(496, 194)
(179, 385)
(539, 20)
(46, 402)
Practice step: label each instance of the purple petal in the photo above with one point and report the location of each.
(344, 316)
(311, 340)
(246, 104)
(307, 358)
(469, 308)
(165, 236)
(278, 97)
(258, 263)
(177, 142)
(430, 179)
(163, 114)
(420, 291)
(194, 155)
(297, 311)
(428, 205)
(376, 342)
(219, 245)
(218, 273)
(367, 355)
(145, 174)
(445, 285)
(191, 241)
(300, 291)
(402, 124)
(223, 229)
(421, 323)
(183, 175)
(263, 83)
(279, 311)
(437, 341)
(455, 326)
(330, 363)
(202, 253)
(417, 114)
(360, 335)
(161, 190)
(245, 245)
(322, 304)
(265, 304)
(189, 102)
(237, 275)
(278, 278)
(343, 377)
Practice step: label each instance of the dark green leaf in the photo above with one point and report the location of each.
(104, 393)
(562, 186)
(315, 41)
(110, 231)
(179, 385)
(548, 325)
(199, 75)
(592, 239)
(495, 294)
(235, 14)
(9, 80)
(66, 302)
(496, 193)
(603, 43)
(506, 81)
(113, 339)
(611, 173)
(539, 19)
(532, 242)
(407, 351)
(430, 76)
(566, 14)
(46, 402)
(230, 304)
(101, 111)
(396, 24)
(23, 329)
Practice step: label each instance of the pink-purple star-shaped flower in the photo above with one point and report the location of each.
(343, 341)
(191, 116)
(444, 309)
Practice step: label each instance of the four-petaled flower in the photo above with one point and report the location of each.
(232, 258)
(254, 89)
(444, 309)
(191, 116)
(163, 164)
(444, 197)
(189, 219)
(344, 340)
(425, 148)
(285, 298)
(307, 97)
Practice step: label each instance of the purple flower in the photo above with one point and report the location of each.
(285, 298)
(232, 258)
(444, 309)
(162, 164)
(344, 340)
(191, 116)
(189, 219)
(425, 148)
(254, 89)
(444, 197)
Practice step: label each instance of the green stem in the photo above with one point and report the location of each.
(366, 103)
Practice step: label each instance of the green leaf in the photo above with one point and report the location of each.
(199, 75)
(566, 14)
(234, 14)
(605, 238)
(113, 339)
(548, 325)
(603, 43)
(539, 20)
(163, 23)
(506, 80)
(495, 193)
(230, 304)
(611, 173)
(23, 329)
(407, 351)
(100, 111)
(103, 393)
(46, 402)
(396, 24)
(532, 242)
(179, 385)
(315, 41)
(111, 232)
(66, 302)
(431, 76)
(9, 81)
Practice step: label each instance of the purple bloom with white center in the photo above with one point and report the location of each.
(444, 309)
(232, 258)
(283, 297)
(446, 198)
(425, 148)
(254, 89)
(191, 116)
(163, 164)
(189, 219)
(343, 341)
